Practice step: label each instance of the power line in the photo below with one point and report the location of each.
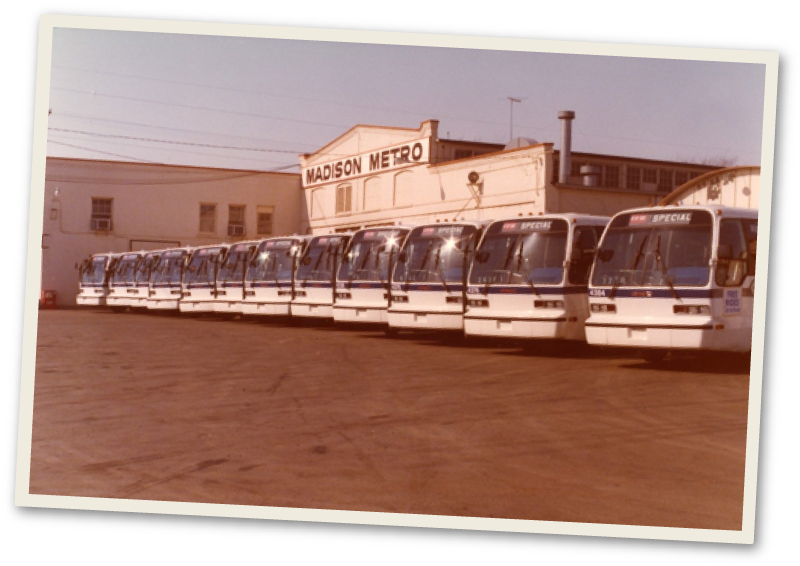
(104, 152)
(250, 114)
(117, 136)
(93, 118)
(139, 146)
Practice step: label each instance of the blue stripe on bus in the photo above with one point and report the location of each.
(271, 284)
(527, 290)
(660, 293)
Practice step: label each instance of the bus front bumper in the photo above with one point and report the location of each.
(554, 327)
(266, 308)
(425, 319)
(705, 334)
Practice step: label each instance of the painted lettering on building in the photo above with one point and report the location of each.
(409, 153)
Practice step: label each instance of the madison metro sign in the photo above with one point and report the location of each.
(377, 161)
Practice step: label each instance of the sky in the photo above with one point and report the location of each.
(250, 103)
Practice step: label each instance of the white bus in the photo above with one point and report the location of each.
(166, 279)
(199, 288)
(122, 281)
(142, 275)
(675, 278)
(93, 276)
(270, 280)
(529, 277)
(315, 281)
(231, 277)
(429, 283)
(363, 287)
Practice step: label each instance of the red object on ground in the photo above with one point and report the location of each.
(48, 300)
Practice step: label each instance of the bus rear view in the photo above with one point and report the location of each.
(529, 277)
(675, 278)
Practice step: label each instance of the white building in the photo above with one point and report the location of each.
(100, 206)
(374, 175)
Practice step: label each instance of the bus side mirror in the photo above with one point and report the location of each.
(725, 252)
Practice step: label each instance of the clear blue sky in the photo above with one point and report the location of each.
(291, 97)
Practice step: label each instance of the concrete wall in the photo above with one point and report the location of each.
(150, 202)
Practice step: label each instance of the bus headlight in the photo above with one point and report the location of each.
(399, 298)
(602, 307)
(453, 300)
(548, 304)
(344, 296)
(691, 309)
(478, 303)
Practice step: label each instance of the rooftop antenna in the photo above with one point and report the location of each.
(512, 100)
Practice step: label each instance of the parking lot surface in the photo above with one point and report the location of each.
(155, 407)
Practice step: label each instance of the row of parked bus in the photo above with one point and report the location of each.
(659, 278)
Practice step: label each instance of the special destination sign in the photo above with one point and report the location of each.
(409, 153)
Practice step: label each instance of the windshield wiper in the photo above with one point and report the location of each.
(525, 272)
(437, 261)
(663, 268)
(636, 259)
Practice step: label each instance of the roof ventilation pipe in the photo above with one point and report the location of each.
(565, 161)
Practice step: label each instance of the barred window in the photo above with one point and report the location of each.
(681, 178)
(208, 218)
(463, 153)
(264, 220)
(649, 176)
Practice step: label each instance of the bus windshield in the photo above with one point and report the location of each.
(142, 272)
(168, 269)
(522, 252)
(656, 249)
(369, 254)
(95, 272)
(124, 272)
(274, 261)
(201, 268)
(318, 260)
(233, 268)
(434, 254)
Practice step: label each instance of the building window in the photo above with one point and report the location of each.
(101, 214)
(463, 154)
(634, 178)
(236, 220)
(575, 168)
(649, 176)
(264, 220)
(611, 176)
(316, 203)
(403, 189)
(344, 199)
(208, 218)
(665, 180)
(681, 178)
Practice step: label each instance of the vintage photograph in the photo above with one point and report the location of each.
(457, 282)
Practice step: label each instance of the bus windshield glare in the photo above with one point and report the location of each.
(201, 268)
(274, 261)
(656, 249)
(368, 257)
(317, 263)
(522, 252)
(434, 254)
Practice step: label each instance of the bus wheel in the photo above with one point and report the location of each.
(654, 356)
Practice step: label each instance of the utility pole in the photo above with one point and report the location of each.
(511, 118)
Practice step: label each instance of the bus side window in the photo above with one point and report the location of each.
(585, 240)
(750, 234)
(731, 255)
